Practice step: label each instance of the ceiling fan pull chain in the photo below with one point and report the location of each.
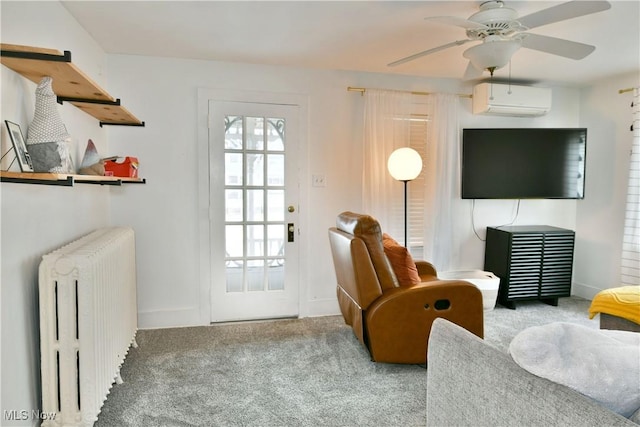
(491, 86)
(509, 91)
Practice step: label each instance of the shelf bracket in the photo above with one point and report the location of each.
(142, 181)
(141, 124)
(62, 99)
(116, 183)
(66, 57)
(66, 182)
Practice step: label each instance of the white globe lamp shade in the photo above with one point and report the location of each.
(405, 164)
(492, 53)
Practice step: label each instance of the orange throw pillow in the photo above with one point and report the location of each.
(401, 261)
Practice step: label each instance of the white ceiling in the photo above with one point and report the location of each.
(353, 35)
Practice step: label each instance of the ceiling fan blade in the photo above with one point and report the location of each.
(563, 11)
(472, 73)
(427, 52)
(458, 22)
(555, 46)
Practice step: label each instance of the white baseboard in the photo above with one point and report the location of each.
(584, 291)
(177, 318)
(320, 307)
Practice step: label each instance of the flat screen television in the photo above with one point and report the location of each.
(523, 163)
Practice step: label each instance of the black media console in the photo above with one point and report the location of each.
(533, 262)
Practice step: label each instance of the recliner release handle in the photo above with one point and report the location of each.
(442, 304)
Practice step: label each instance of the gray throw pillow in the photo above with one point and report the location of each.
(604, 365)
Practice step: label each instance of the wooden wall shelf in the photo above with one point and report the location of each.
(65, 180)
(69, 82)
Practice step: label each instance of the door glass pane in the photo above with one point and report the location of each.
(275, 169)
(234, 240)
(255, 169)
(233, 168)
(233, 205)
(275, 205)
(255, 240)
(275, 275)
(255, 275)
(233, 132)
(255, 133)
(275, 134)
(235, 276)
(255, 205)
(275, 235)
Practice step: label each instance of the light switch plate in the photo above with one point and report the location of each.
(318, 180)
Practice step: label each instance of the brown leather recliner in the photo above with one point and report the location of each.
(393, 322)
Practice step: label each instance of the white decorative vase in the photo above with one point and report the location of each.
(48, 141)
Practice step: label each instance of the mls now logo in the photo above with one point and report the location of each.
(24, 415)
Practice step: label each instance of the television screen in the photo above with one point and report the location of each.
(538, 163)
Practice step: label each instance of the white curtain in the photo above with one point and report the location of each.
(630, 274)
(443, 178)
(386, 128)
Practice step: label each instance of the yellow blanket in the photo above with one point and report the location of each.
(622, 302)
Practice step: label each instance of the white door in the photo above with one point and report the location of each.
(253, 210)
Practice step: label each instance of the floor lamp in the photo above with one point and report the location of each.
(405, 164)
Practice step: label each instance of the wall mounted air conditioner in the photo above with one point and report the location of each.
(511, 100)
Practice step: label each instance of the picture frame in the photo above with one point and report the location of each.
(19, 146)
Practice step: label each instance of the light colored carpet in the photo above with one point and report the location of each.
(302, 372)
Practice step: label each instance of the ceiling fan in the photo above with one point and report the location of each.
(501, 33)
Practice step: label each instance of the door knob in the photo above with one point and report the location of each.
(291, 208)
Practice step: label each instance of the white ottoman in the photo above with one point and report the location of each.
(487, 282)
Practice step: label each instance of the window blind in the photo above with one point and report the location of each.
(416, 191)
(630, 271)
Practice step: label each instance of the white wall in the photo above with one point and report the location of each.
(166, 90)
(600, 216)
(36, 219)
(165, 212)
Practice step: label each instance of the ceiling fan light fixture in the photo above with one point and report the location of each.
(500, 30)
(492, 54)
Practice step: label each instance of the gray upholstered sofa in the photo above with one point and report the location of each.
(470, 383)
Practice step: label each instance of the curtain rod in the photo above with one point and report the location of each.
(362, 90)
(629, 89)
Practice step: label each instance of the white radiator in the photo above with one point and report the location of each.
(88, 320)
